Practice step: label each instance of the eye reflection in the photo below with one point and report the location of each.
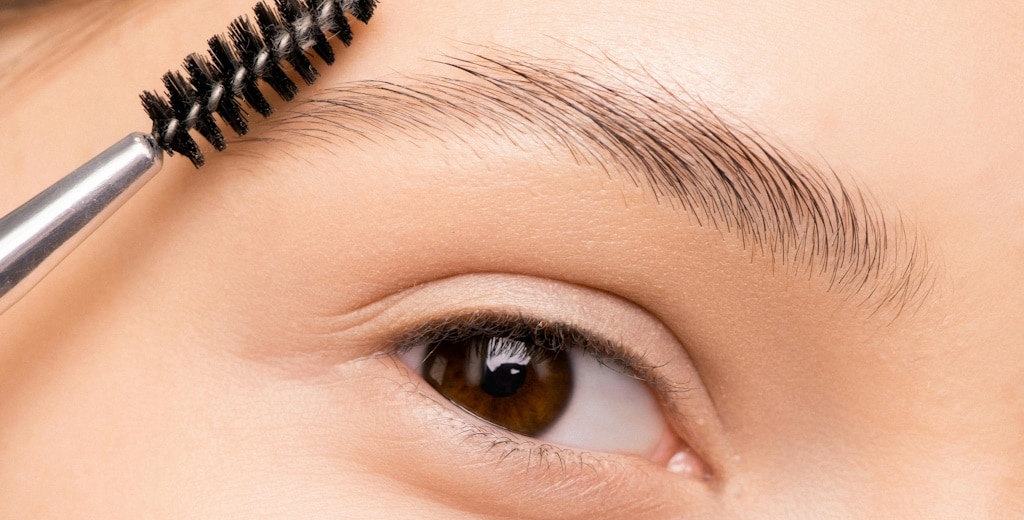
(552, 381)
(520, 387)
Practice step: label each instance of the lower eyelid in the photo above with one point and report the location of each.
(478, 455)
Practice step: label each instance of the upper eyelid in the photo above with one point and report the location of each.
(393, 318)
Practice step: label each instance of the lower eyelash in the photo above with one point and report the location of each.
(504, 448)
(462, 460)
(501, 446)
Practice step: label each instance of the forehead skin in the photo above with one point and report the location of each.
(825, 407)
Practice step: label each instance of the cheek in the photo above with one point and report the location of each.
(127, 425)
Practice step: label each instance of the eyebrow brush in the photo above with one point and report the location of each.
(36, 236)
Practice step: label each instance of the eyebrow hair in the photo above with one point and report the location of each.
(725, 174)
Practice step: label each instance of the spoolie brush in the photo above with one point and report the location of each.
(225, 82)
(218, 83)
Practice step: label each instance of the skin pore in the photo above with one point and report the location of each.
(804, 216)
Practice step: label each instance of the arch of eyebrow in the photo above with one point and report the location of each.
(726, 175)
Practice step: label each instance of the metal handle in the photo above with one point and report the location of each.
(38, 235)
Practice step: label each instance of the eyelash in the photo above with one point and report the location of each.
(539, 333)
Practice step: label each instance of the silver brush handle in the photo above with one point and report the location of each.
(41, 232)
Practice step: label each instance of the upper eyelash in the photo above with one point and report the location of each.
(557, 335)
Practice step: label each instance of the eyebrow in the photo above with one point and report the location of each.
(725, 174)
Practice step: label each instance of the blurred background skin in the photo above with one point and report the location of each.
(156, 373)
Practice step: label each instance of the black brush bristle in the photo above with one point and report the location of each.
(277, 38)
(265, 63)
(185, 97)
(210, 82)
(159, 112)
(300, 26)
(340, 28)
(322, 47)
(182, 98)
(236, 64)
(362, 10)
(230, 67)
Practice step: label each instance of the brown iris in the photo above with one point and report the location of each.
(509, 382)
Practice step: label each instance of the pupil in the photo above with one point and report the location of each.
(507, 381)
(504, 381)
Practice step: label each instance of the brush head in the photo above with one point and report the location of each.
(230, 74)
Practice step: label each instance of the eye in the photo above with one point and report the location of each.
(539, 379)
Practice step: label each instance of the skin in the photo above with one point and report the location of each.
(214, 350)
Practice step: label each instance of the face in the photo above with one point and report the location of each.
(534, 260)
